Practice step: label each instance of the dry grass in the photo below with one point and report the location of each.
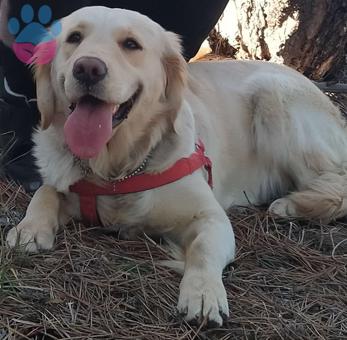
(289, 281)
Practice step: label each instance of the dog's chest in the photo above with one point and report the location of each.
(60, 170)
(127, 209)
(55, 162)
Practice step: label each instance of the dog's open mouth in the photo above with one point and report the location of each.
(123, 110)
(91, 121)
(120, 112)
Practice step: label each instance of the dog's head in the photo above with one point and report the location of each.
(111, 64)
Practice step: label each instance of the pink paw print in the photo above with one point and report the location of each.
(34, 43)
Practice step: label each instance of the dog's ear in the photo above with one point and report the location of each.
(175, 69)
(45, 94)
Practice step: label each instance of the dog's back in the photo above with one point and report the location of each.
(270, 131)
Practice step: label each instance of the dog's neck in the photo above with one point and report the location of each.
(87, 171)
(146, 154)
(115, 164)
(150, 162)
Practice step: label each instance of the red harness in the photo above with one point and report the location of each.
(88, 191)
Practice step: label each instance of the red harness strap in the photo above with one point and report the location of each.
(88, 191)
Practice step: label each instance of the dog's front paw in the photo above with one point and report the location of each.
(203, 296)
(31, 236)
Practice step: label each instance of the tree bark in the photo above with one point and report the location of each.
(310, 36)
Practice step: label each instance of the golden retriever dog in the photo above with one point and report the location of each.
(271, 135)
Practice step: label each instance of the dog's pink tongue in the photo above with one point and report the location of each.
(89, 128)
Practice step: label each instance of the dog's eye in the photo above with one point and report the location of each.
(74, 38)
(131, 44)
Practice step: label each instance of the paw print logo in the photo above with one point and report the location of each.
(34, 42)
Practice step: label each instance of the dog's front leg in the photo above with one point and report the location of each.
(209, 246)
(38, 228)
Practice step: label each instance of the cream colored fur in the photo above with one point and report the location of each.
(272, 137)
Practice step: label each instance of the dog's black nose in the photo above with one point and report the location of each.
(89, 70)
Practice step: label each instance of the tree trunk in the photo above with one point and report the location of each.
(310, 36)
